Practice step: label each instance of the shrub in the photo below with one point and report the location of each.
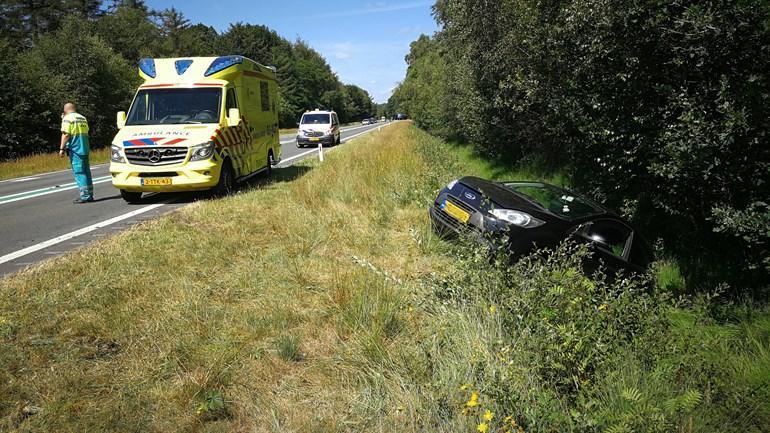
(656, 108)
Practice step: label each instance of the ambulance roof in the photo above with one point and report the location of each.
(190, 71)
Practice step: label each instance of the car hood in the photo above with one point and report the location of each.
(314, 127)
(500, 195)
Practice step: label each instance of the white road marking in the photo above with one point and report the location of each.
(47, 190)
(20, 179)
(351, 128)
(344, 140)
(59, 239)
(85, 230)
(23, 179)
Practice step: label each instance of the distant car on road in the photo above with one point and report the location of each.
(383, 119)
(529, 215)
(366, 122)
(318, 126)
(400, 116)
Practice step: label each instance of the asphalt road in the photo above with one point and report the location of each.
(38, 219)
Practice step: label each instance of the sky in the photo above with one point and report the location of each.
(364, 41)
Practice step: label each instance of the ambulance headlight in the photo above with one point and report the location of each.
(202, 151)
(115, 154)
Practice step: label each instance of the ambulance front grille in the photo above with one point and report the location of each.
(156, 155)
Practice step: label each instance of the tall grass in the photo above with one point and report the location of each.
(326, 304)
(45, 162)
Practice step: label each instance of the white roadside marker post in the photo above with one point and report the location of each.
(320, 151)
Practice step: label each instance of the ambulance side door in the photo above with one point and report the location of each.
(237, 152)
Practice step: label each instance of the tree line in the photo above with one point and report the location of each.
(659, 109)
(86, 51)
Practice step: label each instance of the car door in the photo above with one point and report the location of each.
(240, 151)
(336, 125)
(610, 242)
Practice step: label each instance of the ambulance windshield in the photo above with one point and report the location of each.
(175, 106)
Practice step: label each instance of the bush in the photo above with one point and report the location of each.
(656, 109)
(542, 346)
(72, 65)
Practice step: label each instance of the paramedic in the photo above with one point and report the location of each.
(74, 141)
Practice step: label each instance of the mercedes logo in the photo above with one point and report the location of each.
(154, 156)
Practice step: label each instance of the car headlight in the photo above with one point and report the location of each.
(328, 132)
(451, 184)
(202, 151)
(517, 218)
(115, 154)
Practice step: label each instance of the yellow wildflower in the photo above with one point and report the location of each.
(492, 309)
(465, 386)
(488, 415)
(602, 307)
(483, 427)
(474, 400)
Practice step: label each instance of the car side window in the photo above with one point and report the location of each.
(334, 120)
(609, 235)
(230, 101)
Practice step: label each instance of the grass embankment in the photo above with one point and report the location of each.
(322, 302)
(45, 162)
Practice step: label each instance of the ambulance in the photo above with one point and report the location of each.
(196, 123)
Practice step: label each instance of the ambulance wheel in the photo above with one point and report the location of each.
(131, 197)
(226, 183)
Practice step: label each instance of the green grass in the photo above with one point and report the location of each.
(288, 348)
(322, 302)
(45, 162)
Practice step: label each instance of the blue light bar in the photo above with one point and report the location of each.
(182, 65)
(221, 63)
(147, 66)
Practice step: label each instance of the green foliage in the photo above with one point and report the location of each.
(212, 405)
(557, 350)
(288, 347)
(656, 108)
(669, 278)
(71, 64)
(77, 51)
(424, 93)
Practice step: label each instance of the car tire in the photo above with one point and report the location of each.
(131, 197)
(226, 183)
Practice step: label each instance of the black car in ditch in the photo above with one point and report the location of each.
(530, 215)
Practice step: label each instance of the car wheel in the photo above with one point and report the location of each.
(131, 197)
(226, 183)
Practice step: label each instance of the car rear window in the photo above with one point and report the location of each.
(558, 201)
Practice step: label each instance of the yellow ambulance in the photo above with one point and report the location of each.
(197, 123)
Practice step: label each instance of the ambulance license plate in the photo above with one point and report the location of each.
(456, 212)
(156, 181)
